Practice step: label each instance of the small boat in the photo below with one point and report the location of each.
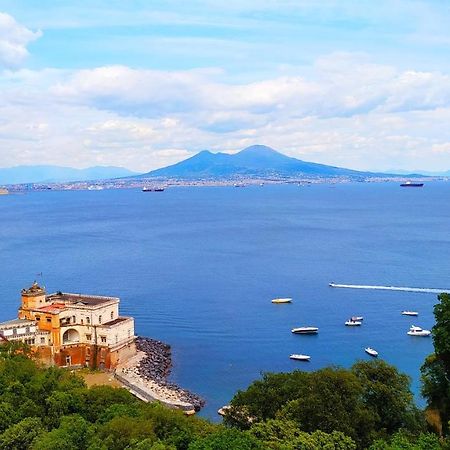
(305, 330)
(224, 410)
(282, 300)
(410, 184)
(299, 357)
(357, 318)
(149, 189)
(370, 351)
(417, 331)
(410, 313)
(353, 323)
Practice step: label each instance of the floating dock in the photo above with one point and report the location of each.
(391, 288)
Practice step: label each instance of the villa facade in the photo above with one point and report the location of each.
(72, 330)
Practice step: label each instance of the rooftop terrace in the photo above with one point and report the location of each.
(80, 299)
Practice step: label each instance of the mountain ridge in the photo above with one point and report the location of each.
(59, 174)
(257, 161)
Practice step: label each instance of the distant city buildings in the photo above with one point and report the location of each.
(72, 330)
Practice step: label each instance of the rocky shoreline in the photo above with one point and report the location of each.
(156, 367)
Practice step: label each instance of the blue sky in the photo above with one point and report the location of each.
(142, 84)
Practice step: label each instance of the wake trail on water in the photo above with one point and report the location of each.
(391, 288)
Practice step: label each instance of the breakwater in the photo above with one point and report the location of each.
(157, 366)
(391, 288)
(147, 375)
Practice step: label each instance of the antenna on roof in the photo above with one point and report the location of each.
(41, 275)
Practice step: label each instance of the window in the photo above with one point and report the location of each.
(49, 319)
(103, 338)
(82, 321)
(38, 317)
(117, 338)
(42, 340)
(88, 337)
(99, 319)
(112, 315)
(74, 319)
(88, 351)
(88, 320)
(27, 330)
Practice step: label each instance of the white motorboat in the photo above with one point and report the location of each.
(353, 323)
(299, 357)
(282, 300)
(224, 410)
(357, 318)
(410, 313)
(370, 351)
(305, 330)
(417, 331)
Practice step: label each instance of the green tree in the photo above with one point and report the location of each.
(403, 441)
(58, 404)
(386, 392)
(264, 398)
(285, 435)
(94, 401)
(7, 416)
(332, 402)
(227, 439)
(436, 368)
(21, 435)
(441, 331)
(74, 433)
(436, 387)
(123, 432)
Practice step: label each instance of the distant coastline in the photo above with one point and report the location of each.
(232, 182)
(254, 165)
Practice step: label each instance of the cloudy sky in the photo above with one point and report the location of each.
(141, 84)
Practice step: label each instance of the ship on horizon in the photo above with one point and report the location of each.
(152, 189)
(410, 184)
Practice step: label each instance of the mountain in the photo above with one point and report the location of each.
(426, 173)
(255, 161)
(52, 174)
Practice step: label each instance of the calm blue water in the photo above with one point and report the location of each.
(197, 268)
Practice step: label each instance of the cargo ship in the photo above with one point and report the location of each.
(409, 184)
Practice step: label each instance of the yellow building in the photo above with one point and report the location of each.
(73, 329)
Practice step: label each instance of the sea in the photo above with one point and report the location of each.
(197, 267)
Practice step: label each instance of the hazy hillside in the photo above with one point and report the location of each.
(48, 174)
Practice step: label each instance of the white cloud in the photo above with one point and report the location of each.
(344, 110)
(14, 39)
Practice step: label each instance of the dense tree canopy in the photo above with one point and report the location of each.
(370, 400)
(441, 331)
(368, 406)
(436, 368)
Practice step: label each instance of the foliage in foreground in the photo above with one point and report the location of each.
(51, 408)
(436, 368)
(370, 401)
(369, 406)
